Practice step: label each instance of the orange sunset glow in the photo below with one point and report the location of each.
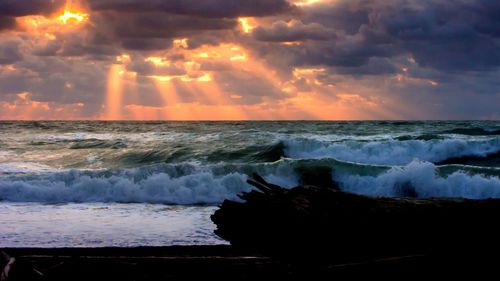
(287, 62)
(72, 16)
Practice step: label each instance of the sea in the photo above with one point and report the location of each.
(126, 184)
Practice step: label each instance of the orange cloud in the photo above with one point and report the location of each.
(23, 108)
(208, 100)
(72, 16)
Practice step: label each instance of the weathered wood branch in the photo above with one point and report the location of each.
(309, 221)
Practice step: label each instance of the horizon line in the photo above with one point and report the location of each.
(237, 120)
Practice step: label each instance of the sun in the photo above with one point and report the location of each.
(72, 16)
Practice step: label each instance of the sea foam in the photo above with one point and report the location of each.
(420, 179)
(188, 185)
(76, 186)
(390, 152)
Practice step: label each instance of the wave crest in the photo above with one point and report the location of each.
(475, 131)
(77, 186)
(391, 152)
(421, 179)
(189, 184)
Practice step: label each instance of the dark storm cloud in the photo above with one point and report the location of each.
(147, 25)
(149, 31)
(211, 37)
(57, 81)
(205, 8)
(441, 55)
(9, 51)
(50, 49)
(77, 44)
(281, 31)
(149, 44)
(471, 96)
(374, 66)
(215, 66)
(9, 9)
(146, 68)
(158, 25)
(7, 22)
(17, 8)
(12, 83)
(344, 16)
(444, 35)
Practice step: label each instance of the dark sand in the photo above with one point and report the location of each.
(223, 263)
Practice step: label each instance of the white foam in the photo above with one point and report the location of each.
(82, 136)
(78, 186)
(193, 184)
(422, 178)
(390, 152)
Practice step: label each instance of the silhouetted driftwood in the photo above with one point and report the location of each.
(13, 269)
(311, 223)
(139, 264)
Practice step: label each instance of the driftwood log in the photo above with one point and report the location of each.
(310, 223)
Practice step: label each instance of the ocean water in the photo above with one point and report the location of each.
(93, 183)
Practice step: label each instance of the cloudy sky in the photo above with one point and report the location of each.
(249, 59)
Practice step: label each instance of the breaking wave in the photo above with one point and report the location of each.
(475, 131)
(421, 179)
(189, 184)
(391, 152)
(123, 186)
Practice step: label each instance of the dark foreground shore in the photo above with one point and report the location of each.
(224, 263)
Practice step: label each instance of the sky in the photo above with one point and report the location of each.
(249, 59)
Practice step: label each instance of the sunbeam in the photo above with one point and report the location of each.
(114, 94)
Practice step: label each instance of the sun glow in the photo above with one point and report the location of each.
(307, 2)
(124, 58)
(72, 16)
(247, 24)
(203, 55)
(190, 81)
(297, 72)
(50, 36)
(238, 58)
(114, 92)
(163, 78)
(158, 61)
(205, 78)
(292, 43)
(181, 43)
(23, 95)
(185, 78)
